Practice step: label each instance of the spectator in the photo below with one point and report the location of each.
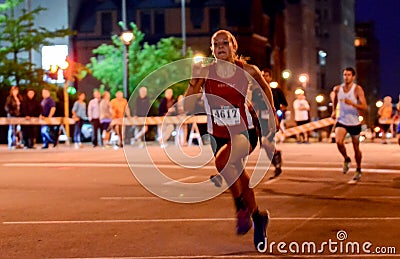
(13, 109)
(166, 108)
(182, 129)
(119, 106)
(94, 116)
(385, 117)
(105, 118)
(301, 115)
(48, 109)
(79, 115)
(142, 107)
(30, 108)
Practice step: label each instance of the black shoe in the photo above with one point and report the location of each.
(278, 172)
(45, 147)
(216, 179)
(277, 159)
(243, 224)
(260, 222)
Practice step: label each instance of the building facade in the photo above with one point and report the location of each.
(367, 64)
(311, 37)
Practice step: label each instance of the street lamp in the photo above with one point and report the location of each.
(320, 108)
(298, 91)
(303, 78)
(126, 37)
(286, 74)
(319, 98)
(198, 58)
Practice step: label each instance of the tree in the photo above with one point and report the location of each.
(19, 36)
(144, 58)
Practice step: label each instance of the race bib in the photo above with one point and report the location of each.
(229, 116)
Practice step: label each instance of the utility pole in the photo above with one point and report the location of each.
(183, 22)
(125, 53)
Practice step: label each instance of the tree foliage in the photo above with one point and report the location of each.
(19, 36)
(144, 58)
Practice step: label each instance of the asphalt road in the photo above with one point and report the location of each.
(86, 203)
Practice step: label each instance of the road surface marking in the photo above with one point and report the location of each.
(257, 195)
(181, 180)
(47, 222)
(243, 256)
(166, 166)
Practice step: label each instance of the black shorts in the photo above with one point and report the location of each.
(385, 127)
(299, 123)
(217, 143)
(352, 130)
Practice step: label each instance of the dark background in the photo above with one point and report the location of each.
(386, 15)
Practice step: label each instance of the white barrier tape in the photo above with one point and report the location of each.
(35, 121)
(305, 128)
(132, 121)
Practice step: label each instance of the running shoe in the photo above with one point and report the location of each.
(278, 172)
(216, 179)
(346, 165)
(357, 175)
(243, 224)
(277, 158)
(260, 221)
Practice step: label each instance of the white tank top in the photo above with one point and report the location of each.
(348, 114)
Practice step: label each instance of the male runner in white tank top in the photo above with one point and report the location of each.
(349, 99)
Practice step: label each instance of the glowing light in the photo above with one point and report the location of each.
(64, 65)
(379, 104)
(322, 54)
(319, 98)
(127, 37)
(71, 90)
(298, 91)
(360, 118)
(286, 74)
(53, 68)
(303, 78)
(377, 129)
(198, 58)
(273, 84)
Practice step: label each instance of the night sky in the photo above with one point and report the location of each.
(386, 15)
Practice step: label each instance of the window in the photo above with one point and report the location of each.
(106, 24)
(322, 57)
(145, 22)
(360, 42)
(159, 22)
(215, 18)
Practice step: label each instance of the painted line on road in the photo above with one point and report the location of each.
(243, 256)
(181, 180)
(166, 166)
(50, 222)
(119, 198)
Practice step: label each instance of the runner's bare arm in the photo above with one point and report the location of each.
(199, 75)
(334, 101)
(362, 102)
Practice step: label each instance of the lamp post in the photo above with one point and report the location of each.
(319, 99)
(303, 78)
(127, 37)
